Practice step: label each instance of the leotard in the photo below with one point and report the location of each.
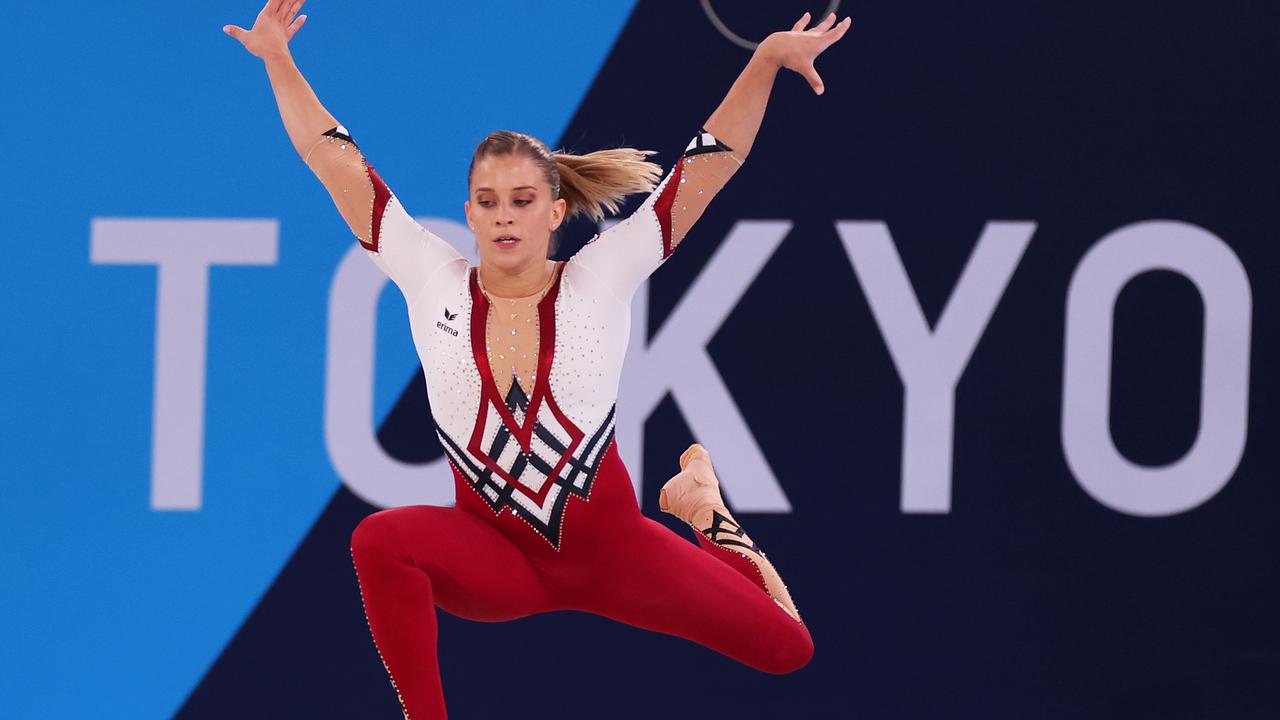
(523, 397)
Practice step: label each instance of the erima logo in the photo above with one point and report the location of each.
(448, 316)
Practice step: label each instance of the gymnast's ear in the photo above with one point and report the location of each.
(558, 208)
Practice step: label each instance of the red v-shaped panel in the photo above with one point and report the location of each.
(542, 416)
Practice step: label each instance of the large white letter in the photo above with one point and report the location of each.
(182, 250)
(349, 432)
(676, 361)
(930, 363)
(1224, 288)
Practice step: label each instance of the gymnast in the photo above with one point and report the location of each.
(522, 356)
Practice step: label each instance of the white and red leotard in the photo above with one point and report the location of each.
(546, 516)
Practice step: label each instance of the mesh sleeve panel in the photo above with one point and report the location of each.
(627, 253)
(407, 252)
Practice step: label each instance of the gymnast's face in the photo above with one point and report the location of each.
(511, 210)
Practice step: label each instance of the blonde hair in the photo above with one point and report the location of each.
(591, 184)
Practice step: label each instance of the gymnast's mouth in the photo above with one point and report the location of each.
(507, 240)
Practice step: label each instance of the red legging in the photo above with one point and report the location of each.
(613, 561)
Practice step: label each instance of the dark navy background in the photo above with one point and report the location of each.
(1029, 599)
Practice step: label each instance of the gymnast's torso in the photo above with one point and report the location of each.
(523, 391)
(532, 443)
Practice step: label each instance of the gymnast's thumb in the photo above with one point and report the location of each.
(235, 31)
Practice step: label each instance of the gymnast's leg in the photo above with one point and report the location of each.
(660, 581)
(409, 560)
(723, 595)
(693, 495)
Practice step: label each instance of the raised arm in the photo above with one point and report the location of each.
(727, 136)
(402, 248)
(627, 253)
(737, 120)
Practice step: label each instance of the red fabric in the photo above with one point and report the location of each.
(489, 394)
(612, 561)
(735, 560)
(663, 205)
(381, 194)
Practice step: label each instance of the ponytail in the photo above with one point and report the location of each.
(597, 182)
(591, 184)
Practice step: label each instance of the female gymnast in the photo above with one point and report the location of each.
(522, 356)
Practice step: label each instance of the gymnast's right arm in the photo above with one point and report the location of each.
(408, 253)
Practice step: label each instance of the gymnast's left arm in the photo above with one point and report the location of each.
(736, 121)
(630, 251)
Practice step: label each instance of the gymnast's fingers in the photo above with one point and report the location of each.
(836, 33)
(811, 74)
(293, 12)
(825, 24)
(297, 25)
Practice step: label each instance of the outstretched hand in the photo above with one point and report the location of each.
(274, 27)
(797, 48)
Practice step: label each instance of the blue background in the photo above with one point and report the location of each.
(146, 109)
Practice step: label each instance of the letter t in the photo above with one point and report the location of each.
(182, 250)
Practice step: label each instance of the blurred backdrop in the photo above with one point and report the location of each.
(987, 330)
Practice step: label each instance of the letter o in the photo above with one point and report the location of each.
(1090, 450)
